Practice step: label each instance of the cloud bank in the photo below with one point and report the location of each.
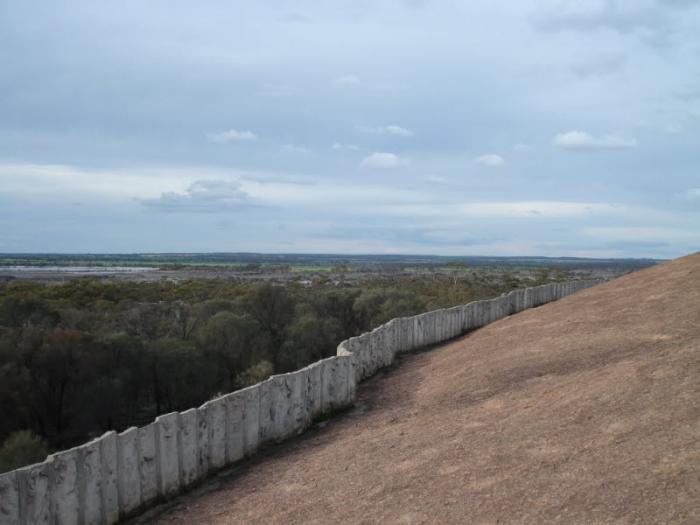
(490, 160)
(581, 140)
(190, 135)
(383, 160)
(232, 135)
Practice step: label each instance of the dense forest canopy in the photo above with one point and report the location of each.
(87, 356)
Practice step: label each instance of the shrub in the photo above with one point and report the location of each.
(256, 373)
(21, 448)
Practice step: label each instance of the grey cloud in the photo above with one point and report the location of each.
(415, 4)
(616, 15)
(295, 18)
(680, 4)
(202, 196)
(433, 236)
(600, 66)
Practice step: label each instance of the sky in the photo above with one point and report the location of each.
(536, 127)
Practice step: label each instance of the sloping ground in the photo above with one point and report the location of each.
(586, 410)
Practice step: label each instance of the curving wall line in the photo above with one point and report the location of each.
(119, 475)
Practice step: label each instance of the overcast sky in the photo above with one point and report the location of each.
(536, 127)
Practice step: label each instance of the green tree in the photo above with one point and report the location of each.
(273, 308)
(309, 339)
(232, 340)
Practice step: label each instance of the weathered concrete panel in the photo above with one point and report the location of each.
(438, 317)
(148, 469)
(429, 328)
(478, 314)
(388, 342)
(282, 399)
(330, 383)
(426, 326)
(490, 311)
(477, 309)
(467, 314)
(436, 321)
(110, 474)
(392, 339)
(459, 321)
(484, 312)
(404, 335)
(440, 325)
(268, 410)
(90, 482)
(558, 290)
(358, 346)
(297, 383)
(188, 450)
(487, 312)
(531, 294)
(513, 302)
(455, 321)
(539, 295)
(251, 418)
(351, 388)
(412, 339)
(313, 391)
(344, 348)
(216, 412)
(345, 370)
(334, 376)
(203, 440)
(168, 455)
(363, 355)
(235, 448)
(351, 347)
(283, 410)
(377, 351)
(501, 304)
(288, 409)
(418, 339)
(65, 501)
(448, 325)
(128, 466)
(9, 499)
(534, 297)
(426, 323)
(34, 493)
(499, 308)
(518, 301)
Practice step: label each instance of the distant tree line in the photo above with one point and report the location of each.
(87, 356)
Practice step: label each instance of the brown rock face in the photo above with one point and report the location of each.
(586, 410)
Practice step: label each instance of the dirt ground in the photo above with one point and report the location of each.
(586, 410)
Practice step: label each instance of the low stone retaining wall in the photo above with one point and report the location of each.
(117, 475)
